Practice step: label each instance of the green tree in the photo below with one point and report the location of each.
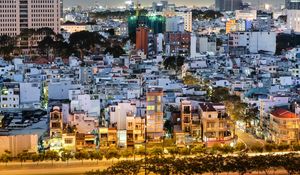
(7, 46)
(112, 153)
(82, 155)
(6, 157)
(52, 155)
(66, 155)
(96, 155)
(156, 151)
(126, 153)
(23, 156)
(199, 150)
(174, 63)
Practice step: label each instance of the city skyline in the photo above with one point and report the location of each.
(116, 3)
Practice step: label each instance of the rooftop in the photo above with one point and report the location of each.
(283, 113)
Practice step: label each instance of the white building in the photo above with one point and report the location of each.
(120, 112)
(293, 20)
(89, 103)
(30, 94)
(10, 96)
(175, 24)
(187, 17)
(245, 14)
(254, 41)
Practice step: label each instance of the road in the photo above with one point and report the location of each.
(248, 139)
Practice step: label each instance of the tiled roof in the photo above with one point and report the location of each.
(283, 113)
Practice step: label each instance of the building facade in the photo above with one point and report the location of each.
(17, 15)
(142, 39)
(228, 5)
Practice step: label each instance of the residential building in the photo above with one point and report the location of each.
(10, 96)
(216, 124)
(56, 122)
(284, 126)
(154, 114)
(254, 41)
(245, 14)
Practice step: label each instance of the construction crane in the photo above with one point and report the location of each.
(137, 10)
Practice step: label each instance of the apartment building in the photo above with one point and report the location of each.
(284, 126)
(10, 96)
(190, 120)
(216, 124)
(154, 114)
(56, 122)
(17, 15)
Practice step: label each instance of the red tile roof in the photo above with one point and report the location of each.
(283, 113)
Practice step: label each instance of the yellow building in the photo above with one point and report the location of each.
(230, 26)
(284, 126)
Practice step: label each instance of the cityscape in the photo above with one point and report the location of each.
(137, 87)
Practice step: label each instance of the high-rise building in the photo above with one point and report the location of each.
(154, 114)
(228, 5)
(293, 21)
(142, 39)
(292, 4)
(16, 15)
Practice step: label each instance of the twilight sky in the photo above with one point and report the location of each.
(84, 3)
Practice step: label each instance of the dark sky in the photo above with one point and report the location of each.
(84, 3)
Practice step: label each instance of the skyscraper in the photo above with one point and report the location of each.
(142, 39)
(16, 15)
(292, 4)
(228, 5)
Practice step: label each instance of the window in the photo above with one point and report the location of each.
(150, 108)
(68, 141)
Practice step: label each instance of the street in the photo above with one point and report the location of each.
(248, 139)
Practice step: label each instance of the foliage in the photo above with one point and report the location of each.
(82, 155)
(115, 50)
(190, 80)
(174, 63)
(6, 46)
(52, 155)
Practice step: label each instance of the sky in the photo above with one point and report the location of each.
(115, 3)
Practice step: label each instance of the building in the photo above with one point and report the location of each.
(155, 23)
(177, 43)
(142, 39)
(154, 114)
(284, 126)
(187, 19)
(56, 123)
(216, 124)
(230, 25)
(228, 5)
(10, 96)
(72, 28)
(175, 24)
(190, 120)
(19, 143)
(254, 41)
(245, 14)
(17, 15)
(293, 20)
(292, 4)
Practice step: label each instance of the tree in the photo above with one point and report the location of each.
(23, 156)
(6, 157)
(46, 45)
(156, 151)
(220, 94)
(96, 155)
(174, 62)
(111, 154)
(82, 155)
(115, 50)
(173, 151)
(6, 46)
(35, 157)
(126, 153)
(52, 155)
(66, 155)
(199, 149)
(190, 80)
